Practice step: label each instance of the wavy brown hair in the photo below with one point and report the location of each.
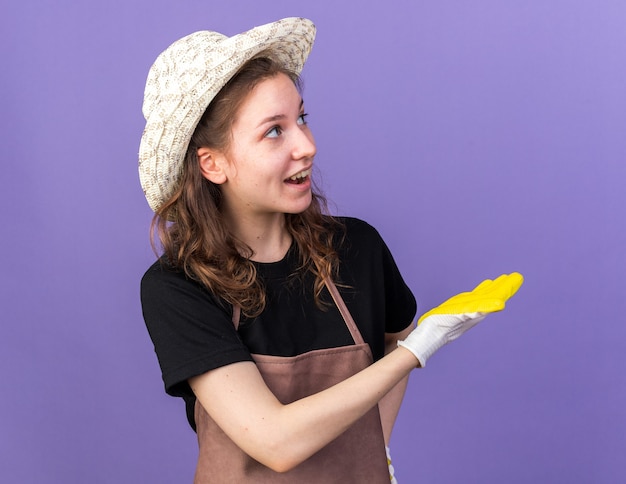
(190, 225)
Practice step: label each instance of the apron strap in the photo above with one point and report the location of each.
(339, 302)
(343, 309)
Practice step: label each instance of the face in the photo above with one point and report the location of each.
(268, 164)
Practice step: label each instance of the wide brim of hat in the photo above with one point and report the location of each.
(174, 104)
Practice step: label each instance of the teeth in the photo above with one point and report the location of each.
(302, 174)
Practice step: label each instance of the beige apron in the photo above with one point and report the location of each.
(356, 456)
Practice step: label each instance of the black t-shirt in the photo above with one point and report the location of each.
(193, 333)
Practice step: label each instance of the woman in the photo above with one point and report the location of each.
(288, 332)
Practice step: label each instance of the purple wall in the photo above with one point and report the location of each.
(479, 137)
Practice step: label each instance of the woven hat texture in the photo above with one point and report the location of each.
(186, 77)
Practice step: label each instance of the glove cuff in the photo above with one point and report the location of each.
(423, 342)
(420, 359)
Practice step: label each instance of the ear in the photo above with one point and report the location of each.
(211, 164)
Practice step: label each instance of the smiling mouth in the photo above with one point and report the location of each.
(299, 178)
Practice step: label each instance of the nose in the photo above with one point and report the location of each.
(304, 144)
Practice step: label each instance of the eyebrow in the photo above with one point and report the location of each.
(277, 117)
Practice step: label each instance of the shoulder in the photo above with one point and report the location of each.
(163, 284)
(160, 277)
(160, 272)
(360, 235)
(356, 225)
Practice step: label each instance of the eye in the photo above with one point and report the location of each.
(302, 119)
(274, 132)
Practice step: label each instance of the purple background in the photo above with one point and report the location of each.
(478, 137)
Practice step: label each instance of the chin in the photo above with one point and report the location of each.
(300, 207)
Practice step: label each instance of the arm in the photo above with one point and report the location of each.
(282, 436)
(389, 405)
(236, 397)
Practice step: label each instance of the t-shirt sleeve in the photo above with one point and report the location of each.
(374, 269)
(191, 332)
(400, 304)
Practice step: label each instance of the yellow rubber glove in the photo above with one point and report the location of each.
(458, 314)
(488, 297)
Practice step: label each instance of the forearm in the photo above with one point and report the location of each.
(282, 436)
(329, 413)
(389, 405)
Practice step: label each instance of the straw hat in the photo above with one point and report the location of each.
(185, 78)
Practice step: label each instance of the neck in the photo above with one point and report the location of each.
(268, 237)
